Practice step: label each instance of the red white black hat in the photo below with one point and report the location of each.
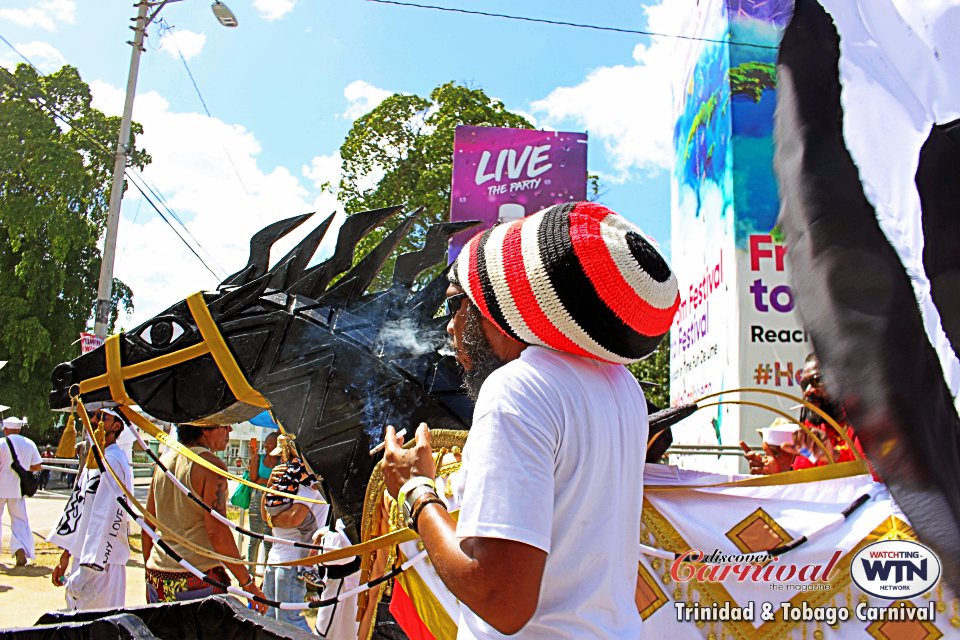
(574, 277)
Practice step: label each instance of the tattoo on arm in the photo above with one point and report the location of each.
(220, 500)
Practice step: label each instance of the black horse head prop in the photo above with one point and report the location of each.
(334, 362)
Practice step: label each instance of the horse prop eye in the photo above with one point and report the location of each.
(162, 333)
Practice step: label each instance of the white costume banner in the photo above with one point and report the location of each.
(805, 592)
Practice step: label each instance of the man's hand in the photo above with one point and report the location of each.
(773, 460)
(59, 571)
(276, 473)
(399, 464)
(253, 589)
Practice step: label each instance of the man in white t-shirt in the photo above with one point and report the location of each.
(544, 313)
(11, 500)
(93, 528)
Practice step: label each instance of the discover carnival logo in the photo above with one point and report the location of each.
(895, 569)
(890, 570)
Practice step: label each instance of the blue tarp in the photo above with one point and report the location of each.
(264, 420)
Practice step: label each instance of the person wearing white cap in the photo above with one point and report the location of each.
(798, 450)
(93, 528)
(11, 499)
(778, 448)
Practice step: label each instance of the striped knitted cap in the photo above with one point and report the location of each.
(574, 277)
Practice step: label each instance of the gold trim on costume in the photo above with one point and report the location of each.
(896, 629)
(809, 405)
(800, 476)
(431, 612)
(374, 501)
(773, 529)
(653, 597)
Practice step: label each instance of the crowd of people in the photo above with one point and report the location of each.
(92, 530)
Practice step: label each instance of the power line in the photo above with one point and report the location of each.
(144, 195)
(129, 171)
(166, 27)
(23, 57)
(577, 25)
(136, 215)
(173, 214)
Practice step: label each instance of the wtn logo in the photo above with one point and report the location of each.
(902, 570)
(895, 569)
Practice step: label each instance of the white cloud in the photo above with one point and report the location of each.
(187, 42)
(209, 173)
(532, 119)
(44, 55)
(628, 107)
(274, 9)
(362, 97)
(324, 171)
(45, 14)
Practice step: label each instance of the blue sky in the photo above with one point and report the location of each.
(284, 87)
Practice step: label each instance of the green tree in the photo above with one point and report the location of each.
(655, 368)
(55, 169)
(402, 153)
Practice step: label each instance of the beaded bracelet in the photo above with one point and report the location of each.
(419, 506)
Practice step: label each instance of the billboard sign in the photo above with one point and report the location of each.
(505, 174)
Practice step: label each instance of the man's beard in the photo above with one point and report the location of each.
(831, 407)
(477, 350)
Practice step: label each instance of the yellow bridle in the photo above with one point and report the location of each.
(212, 344)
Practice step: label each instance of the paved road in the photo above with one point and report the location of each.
(26, 593)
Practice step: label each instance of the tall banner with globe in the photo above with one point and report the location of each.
(502, 174)
(736, 326)
(772, 341)
(703, 339)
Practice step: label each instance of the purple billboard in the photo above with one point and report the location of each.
(505, 174)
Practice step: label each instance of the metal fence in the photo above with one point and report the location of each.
(704, 450)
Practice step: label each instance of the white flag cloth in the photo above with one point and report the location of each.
(899, 61)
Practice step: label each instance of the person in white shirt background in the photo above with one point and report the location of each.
(94, 527)
(300, 521)
(11, 500)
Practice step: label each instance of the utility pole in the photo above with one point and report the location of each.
(124, 149)
(105, 288)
